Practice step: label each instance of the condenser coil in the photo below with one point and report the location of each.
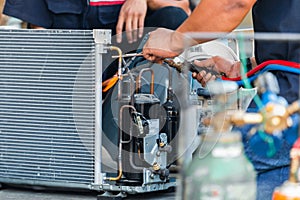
(50, 109)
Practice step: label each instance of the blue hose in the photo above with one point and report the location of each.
(272, 67)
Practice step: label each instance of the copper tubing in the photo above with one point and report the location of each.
(120, 144)
(127, 55)
(114, 48)
(106, 85)
(170, 82)
(139, 80)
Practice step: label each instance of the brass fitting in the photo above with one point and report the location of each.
(156, 166)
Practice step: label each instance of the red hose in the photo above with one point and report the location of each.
(297, 144)
(264, 64)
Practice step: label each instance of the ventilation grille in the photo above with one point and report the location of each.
(47, 107)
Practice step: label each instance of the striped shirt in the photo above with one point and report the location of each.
(105, 2)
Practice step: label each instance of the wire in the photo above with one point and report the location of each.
(109, 83)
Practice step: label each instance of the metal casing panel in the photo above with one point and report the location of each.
(47, 107)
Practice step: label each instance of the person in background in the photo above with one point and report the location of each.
(224, 16)
(3, 18)
(130, 19)
(130, 16)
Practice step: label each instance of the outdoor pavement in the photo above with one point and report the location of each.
(12, 193)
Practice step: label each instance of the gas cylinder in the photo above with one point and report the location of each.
(287, 191)
(220, 170)
(290, 189)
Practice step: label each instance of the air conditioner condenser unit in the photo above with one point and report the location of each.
(51, 113)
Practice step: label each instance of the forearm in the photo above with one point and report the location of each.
(216, 16)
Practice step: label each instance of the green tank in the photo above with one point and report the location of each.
(220, 170)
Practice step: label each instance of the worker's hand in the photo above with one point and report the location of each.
(222, 66)
(132, 17)
(164, 43)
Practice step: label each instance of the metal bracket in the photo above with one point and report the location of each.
(102, 38)
(112, 196)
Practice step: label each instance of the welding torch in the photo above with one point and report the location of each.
(179, 64)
